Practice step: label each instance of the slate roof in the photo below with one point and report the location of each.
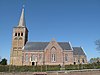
(78, 51)
(43, 45)
(65, 45)
(35, 45)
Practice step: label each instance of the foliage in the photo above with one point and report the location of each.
(3, 62)
(83, 66)
(53, 67)
(10, 68)
(43, 68)
(95, 60)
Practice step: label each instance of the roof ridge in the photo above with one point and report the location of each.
(76, 47)
(48, 41)
(36, 42)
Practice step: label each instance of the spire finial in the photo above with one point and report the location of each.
(23, 6)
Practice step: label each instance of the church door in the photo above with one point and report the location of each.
(33, 63)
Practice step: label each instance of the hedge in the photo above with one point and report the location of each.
(43, 68)
(9, 68)
(82, 66)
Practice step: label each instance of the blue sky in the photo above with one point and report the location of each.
(77, 21)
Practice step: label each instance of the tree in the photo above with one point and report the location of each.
(94, 60)
(3, 62)
(97, 42)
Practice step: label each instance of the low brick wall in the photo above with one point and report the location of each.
(74, 72)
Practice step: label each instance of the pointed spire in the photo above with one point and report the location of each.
(22, 19)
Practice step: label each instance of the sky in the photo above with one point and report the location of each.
(76, 21)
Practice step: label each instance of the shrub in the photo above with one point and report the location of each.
(9, 68)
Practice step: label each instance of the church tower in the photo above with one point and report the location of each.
(19, 39)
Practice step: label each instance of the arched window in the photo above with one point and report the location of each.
(82, 60)
(66, 57)
(21, 34)
(53, 57)
(78, 61)
(40, 56)
(53, 54)
(26, 57)
(15, 34)
(33, 57)
(18, 34)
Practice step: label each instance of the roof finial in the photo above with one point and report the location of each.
(53, 39)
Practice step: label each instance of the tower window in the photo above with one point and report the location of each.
(21, 34)
(18, 34)
(15, 34)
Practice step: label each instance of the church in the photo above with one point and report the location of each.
(28, 53)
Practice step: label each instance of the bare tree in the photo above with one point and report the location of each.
(97, 43)
(0, 58)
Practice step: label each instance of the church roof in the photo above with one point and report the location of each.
(43, 45)
(35, 45)
(65, 45)
(78, 51)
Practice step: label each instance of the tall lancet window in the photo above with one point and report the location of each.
(26, 57)
(33, 58)
(66, 57)
(53, 54)
(53, 57)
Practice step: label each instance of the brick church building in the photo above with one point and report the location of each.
(42, 53)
